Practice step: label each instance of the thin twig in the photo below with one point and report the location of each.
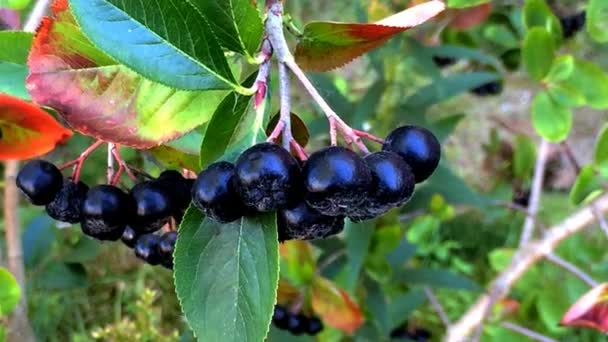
(285, 96)
(535, 192)
(437, 306)
(330, 260)
(570, 267)
(526, 257)
(526, 332)
(110, 170)
(36, 15)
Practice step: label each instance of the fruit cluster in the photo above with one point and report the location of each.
(106, 212)
(296, 324)
(312, 201)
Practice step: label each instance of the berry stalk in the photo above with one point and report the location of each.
(78, 162)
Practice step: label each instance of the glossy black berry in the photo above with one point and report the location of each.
(39, 181)
(153, 207)
(314, 326)
(179, 188)
(106, 211)
(280, 317)
(301, 222)
(336, 180)
(418, 147)
(392, 185)
(268, 176)
(488, 89)
(296, 324)
(146, 248)
(166, 245)
(215, 193)
(129, 237)
(67, 205)
(573, 24)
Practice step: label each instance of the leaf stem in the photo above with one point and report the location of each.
(78, 162)
(526, 332)
(570, 267)
(437, 306)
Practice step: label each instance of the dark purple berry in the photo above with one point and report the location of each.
(153, 207)
(301, 222)
(336, 180)
(179, 188)
(392, 185)
(106, 211)
(280, 317)
(166, 245)
(67, 205)
(129, 237)
(488, 89)
(215, 193)
(268, 176)
(418, 147)
(39, 181)
(573, 24)
(296, 324)
(146, 248)
(314, 326)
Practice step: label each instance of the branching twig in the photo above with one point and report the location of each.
(526, 257)
(568, 266)
(285, 96)
(110, 171)
(36, 15)
(437, 306)
(535, 192)
(526, 332)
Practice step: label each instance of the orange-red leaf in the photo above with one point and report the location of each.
(328, 45)
(298, 262)
(27, 131)
(335, 306)
(590, 311)
(467, 18)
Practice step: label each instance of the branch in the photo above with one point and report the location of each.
(526, 257)
(285, 96)
(437, 306)
(36, 15)
(571, 268)
(535, 192)
(526, 332)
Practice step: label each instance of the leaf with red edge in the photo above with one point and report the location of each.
(297, 262)
(590, 311)
(27, 131)
(335, 306)
(328, 45)
(101, 98)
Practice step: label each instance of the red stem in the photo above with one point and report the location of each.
(300, 152)
(368, 136)
(78, 162)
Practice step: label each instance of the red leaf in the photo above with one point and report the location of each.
(27, 131)
(335, 306)
(328, 45)
(590, 311)
(465, 19)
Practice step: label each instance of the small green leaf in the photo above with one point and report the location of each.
(61, 276)
(500, 259)
(566, 95)
(601, 147)
(10, 293)
(15, 46)
(524, 158)
(537, 13)
(597, 11)
(551, 120)
(585, 186)
(37, 240)
(226, 276)
(500, 35)
(436, 278)
(461, 52)
(538, 52)
(402, 306)
(358, 239)
(165, 41)
(17, 5)
(592, 82)
(465, 3)
(561, 69)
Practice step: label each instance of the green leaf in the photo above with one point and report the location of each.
(561, 69)
(500, 259)
(436, 278)
(37, 240)
(61, 276)
(165, 41)
(537, 13)
(10, 294)
(12, 80)
(358, 239)
(226, 276)
(236, 23)
(538, 52)
(592, 82)
(566, 95)
(14, 48)
(597, 11)
(501, 35)
(465, 3)
(587, 185)
(524, 158)
(401, 307)
(601, 147)
(551, 120)
(461, 52)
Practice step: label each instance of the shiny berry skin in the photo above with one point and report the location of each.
(129, 237)
(314, 326)
(166, 245)
(392, 185)
(336, 180)
(39, 181)
(296, 324)
(215, 193)
(301, 222)
(153, 207)
(179, 188)
(268, 176)
(146, 248)
(280, 317)
(67, 205)
(106, 211)
(418, 147)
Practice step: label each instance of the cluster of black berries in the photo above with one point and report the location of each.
(488, 89)
(312, 201)
(297, 324)
(573, 23)
(419, 335)
(106, 212)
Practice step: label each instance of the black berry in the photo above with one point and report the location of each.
(573, 24)
(39, 181)
(153, 207)
(129, 237)
(336, 180)
(296, 324)
(166, 245)
(280, 317)
(67, 205)
(179, 189)
(106, 211)
(146, 248)
(488, 89)
(392, 185)
(301, 222)
(268, 177)
(418, 147)
(215, 193)
(314, 326)
(442, 61)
